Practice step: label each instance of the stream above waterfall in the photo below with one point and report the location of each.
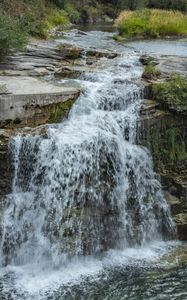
(86, 218)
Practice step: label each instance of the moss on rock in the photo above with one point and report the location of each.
(60, 110)
(172, 94)
(168, 142)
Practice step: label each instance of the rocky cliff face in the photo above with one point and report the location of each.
(5, 178)
(164, 132)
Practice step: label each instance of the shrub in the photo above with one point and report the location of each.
(73, 13)
(151, 72)
(55, 18)
(36, 17)
(172, 93)
(33, 26)
(11, 36)
(59, 3)
(152, 23)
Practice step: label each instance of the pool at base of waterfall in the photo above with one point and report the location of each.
(157, 272)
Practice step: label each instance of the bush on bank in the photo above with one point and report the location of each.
(11, 36)
(20, 19)
(151, 23)
(172, 93)
(34, 16)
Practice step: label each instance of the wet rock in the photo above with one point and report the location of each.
(69, 52)
(166, 138)
(107, 54)
(5, 177)
(146, 60)
(181, 222)
(166, 64)
(58, 31)
(79, 32)
(175, 203)
(69, 72)
(43, 58)
(164, 132)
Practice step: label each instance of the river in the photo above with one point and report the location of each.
(87, 218)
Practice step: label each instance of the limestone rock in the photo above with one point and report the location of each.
(164, 132)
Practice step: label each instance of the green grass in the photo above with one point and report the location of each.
(152, 23)
(54, 18)
(151, 72)
(172, 93)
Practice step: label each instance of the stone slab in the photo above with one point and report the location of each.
(27, 93)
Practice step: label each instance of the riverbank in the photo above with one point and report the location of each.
(151, 23)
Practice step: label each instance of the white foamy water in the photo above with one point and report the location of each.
(84, 190)
(33, 282)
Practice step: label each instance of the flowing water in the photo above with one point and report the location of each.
(87, 218)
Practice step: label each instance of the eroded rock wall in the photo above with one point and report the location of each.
(5, 174)
(164, 132)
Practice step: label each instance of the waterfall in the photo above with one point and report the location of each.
(85, 186)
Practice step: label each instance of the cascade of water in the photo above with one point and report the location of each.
(86, 186)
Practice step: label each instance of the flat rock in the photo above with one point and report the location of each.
(172, 64)
(29, 85)
(31, 100)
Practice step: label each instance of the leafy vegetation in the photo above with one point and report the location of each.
(21, 18)
(137, 4)
(11, 36)
(73, 13)
(150, 71)
(35, 17)
(152, 23)
(172, 93)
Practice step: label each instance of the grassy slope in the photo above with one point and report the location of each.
(152, 23)
(20, 19)
(34, 16)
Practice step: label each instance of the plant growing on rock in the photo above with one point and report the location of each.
(172, 93)
(151, 72)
